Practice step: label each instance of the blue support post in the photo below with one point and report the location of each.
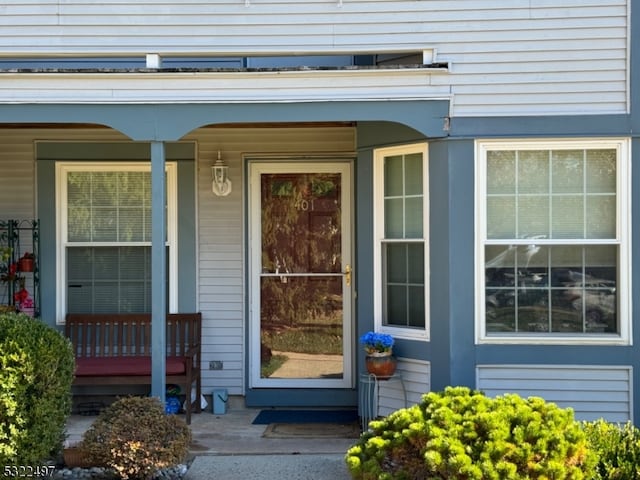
(158, 272)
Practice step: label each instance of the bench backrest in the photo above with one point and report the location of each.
(108, 335)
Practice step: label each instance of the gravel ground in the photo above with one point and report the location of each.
(99, 473)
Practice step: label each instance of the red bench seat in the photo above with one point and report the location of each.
(131, 365)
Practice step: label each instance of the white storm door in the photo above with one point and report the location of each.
(300, 274)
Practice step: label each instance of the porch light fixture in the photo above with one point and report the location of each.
(221, 185)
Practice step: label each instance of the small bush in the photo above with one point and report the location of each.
(617, 448)
(36, 372)
(464, 435)
(136, 438)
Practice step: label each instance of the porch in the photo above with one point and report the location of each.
(229, 446)
(232, 434)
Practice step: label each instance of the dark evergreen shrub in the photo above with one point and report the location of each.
(461, 434)
(617, 448)
(136, 438)
(36, 372)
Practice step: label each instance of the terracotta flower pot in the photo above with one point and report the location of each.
(382, 366)
(25, 264)
(76, 457)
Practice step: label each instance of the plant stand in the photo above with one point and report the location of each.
(19, 271)
(370, 395)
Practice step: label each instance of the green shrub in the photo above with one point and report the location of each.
(464, 435)
(136, 438)
(617, 448)
(36, 372)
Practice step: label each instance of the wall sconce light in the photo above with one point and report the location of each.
(221, 185)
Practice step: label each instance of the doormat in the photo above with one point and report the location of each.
(266, 417)
(312, 430)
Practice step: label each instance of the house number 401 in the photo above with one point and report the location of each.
(304, 205)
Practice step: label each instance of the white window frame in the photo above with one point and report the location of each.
(62, 170)
(623, 240)
(379, 154)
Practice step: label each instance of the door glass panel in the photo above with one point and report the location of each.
(301, 281)
(301, 327)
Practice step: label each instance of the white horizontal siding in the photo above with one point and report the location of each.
(592, 391)
(416, 379)
(221, 290)
(17, 178)
(507, 57)
(17, 166)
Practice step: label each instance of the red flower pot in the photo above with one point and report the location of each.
(25, 264)
(382, 367)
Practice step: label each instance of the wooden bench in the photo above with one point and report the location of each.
(115, 349)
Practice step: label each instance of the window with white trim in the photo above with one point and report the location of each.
(401, 248)
(553, 243)
(104, 237)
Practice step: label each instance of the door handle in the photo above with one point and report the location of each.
(347, 274)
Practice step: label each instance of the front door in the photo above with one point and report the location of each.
(300, 270)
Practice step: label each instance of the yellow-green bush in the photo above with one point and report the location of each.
(461, 434)
(36, 372)
(136, 438)
(617, 448)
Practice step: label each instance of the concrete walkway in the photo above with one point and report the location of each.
(229, 446)
(269, 467)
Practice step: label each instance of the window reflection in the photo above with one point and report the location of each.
(525, 293)
(301, 327)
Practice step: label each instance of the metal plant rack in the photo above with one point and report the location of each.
(19, 237)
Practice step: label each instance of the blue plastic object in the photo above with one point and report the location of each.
(220, 398)
(172, 405)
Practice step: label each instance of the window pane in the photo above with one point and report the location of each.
(415, 263)
(568, 217)
(601, 221)
(393, 176)
(500, 308)
(416, 306)
(601, 171)
(413, 174)
(501, 217)
(105, 224)
(396, 263)
(500, 293)
(601, 262)
(393, 218)
(533, 217)
(501, 172)
(79, 226)
(132, 224)
(396, 313)
(500, 265)
(567, 167)
(104, 189)
(133, 189)
(533, 172)
(566, 265)
(414, 218)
